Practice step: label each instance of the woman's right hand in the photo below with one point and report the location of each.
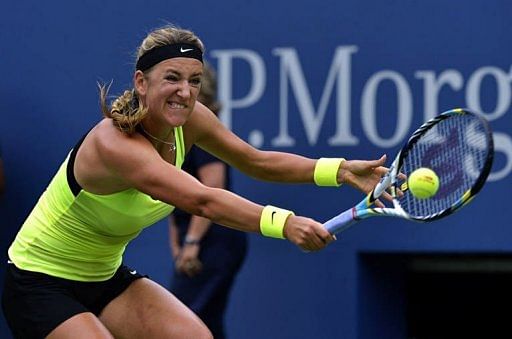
(307, 233)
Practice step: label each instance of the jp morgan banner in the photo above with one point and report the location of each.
(470, 89)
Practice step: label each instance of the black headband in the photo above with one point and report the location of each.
(158, 54)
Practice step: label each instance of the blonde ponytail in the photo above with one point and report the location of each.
(125, 111)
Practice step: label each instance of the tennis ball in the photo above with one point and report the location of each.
(423, 183)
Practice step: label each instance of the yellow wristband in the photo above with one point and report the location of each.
(272, 221)
(326, 171)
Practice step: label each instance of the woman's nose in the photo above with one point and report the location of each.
(184, 89)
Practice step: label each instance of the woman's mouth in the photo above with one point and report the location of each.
(176, 105)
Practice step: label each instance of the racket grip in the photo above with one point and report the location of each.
(340, 222)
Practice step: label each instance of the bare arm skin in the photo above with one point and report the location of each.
(276, 166)
(216, 139)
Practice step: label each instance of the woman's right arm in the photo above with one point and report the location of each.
(133, 162)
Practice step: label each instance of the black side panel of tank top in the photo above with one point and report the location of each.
(70, 174)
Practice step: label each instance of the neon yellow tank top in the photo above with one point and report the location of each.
(77, 235)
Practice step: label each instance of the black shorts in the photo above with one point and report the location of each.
(35, 303)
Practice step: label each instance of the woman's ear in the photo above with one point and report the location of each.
(139, 82)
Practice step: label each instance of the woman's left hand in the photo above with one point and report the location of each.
(362, 174)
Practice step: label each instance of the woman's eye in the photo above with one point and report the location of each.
(172, 78)
(195, 82)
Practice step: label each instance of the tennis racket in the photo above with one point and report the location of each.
(457, 145)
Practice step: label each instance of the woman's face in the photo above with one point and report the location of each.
(170, 89)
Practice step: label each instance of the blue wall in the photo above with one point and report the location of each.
(326, 78)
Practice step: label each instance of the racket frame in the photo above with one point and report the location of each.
(390, 180)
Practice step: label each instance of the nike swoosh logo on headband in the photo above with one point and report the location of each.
(185, 50)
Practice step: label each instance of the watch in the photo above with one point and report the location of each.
(191, 241)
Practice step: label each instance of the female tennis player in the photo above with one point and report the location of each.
(66, 278)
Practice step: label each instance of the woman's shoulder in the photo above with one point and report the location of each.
(109, 141)
(105, 127)
(202, 120)
(109, 156)
(106, 131)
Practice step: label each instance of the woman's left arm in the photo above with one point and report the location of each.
(215, 138)
(282, 167)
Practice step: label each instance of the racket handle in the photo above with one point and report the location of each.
(340, 222)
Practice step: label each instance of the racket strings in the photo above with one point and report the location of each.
(456, 150)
